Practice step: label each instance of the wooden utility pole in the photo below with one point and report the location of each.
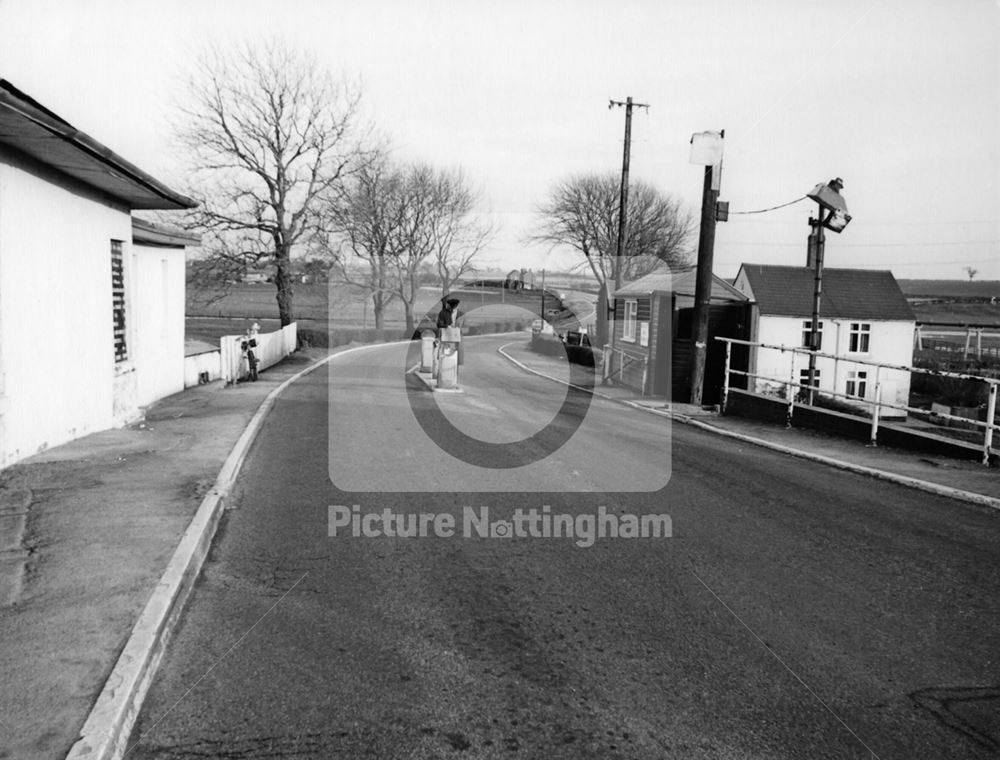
(623, 199)
(703, 286)
(703, 277)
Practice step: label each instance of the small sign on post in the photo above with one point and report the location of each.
(706, 148)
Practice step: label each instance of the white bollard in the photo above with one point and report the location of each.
(447, 369)
(427, 351)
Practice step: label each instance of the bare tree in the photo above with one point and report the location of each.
(582, 213)
(393, 221)
(458, 234)
(972, 273)
(268, 133)
(361, 217)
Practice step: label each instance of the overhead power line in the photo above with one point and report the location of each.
(872, 245)
(772, 208)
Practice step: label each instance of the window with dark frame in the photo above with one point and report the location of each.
(118, 300)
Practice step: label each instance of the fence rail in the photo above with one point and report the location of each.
(625, 361)
(876, 404)
(967, 340)
(271, 349)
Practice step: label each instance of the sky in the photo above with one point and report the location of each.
(899, 98)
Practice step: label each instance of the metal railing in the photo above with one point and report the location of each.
(966, 340)
(876, 404)
(625, 360)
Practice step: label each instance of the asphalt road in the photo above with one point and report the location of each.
(797, 611)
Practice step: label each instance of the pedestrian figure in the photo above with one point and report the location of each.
(448, 314)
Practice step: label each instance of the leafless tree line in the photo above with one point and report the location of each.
(282, 163)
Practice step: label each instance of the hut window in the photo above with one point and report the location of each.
(628, 327)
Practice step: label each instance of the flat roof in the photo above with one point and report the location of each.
(30, 128)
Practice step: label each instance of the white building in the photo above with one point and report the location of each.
(91, 301)
(863, 315)
(156, 287)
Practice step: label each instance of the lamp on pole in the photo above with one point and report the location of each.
(832, 216)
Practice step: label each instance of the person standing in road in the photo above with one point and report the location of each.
(448, 315)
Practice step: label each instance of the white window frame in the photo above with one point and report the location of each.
(631, 318)
(804, 378)
(859, 338)
(856, 385)
(807, 333)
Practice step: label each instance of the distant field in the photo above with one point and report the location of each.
(958, 313)
(211, 315)
(950, 288)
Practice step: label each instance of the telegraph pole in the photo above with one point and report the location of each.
(623, 200)
(710, 213)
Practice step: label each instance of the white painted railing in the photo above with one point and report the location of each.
(876, 403)
(271, 349)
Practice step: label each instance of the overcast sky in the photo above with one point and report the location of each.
(900, 98)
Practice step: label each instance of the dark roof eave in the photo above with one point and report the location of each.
(147, 233)
(14, 100)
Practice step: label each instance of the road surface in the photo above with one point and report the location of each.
(796, 612)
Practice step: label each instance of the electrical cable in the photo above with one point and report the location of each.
(773, 208)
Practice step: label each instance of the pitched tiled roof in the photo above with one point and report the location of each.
(846, 293)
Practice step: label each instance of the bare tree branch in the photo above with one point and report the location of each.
(385, 222)
(268, 133)
(582, 213)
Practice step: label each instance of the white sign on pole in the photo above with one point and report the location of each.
(706, 148)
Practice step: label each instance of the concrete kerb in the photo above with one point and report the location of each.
(106, 731)
(892, 477)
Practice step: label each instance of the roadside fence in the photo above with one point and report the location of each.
(967, 340)
(793, 389)
(271, 349)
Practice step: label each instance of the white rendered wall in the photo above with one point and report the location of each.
(889, 342)
(157, 299)
(57, 362)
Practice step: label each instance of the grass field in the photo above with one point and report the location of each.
(981, 289)
(958, 313)
(211, 314)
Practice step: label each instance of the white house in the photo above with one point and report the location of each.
(863, 316)
(91, 301)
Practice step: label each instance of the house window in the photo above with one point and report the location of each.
(628, 327)
(807, 334)
(804, 378)
(118, 300)
(857, 384)
(860, 335)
